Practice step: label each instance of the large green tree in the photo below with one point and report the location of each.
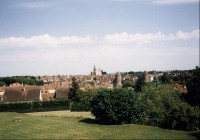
(165, 78)
(74, 89)
(193, 87)
(116, 106)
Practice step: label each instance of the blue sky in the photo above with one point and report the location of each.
(42, 37)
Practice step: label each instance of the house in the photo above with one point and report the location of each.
(2, 91)
(47, 96)
(13, 94)
(22, 93)
(150, 77)
(181, 88)
(62, 93)
(33, 93)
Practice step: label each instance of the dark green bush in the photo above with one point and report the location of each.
(165, 108)
(50, 105)
(182, 117)
(79, 106)
(117, 106)
(82, 102)
(157, 105)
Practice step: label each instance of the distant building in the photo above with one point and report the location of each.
(22, 93)
(150, 77)
(2, 91)
(62, 93)
(96, 71)
(182, 88)
(118, 80)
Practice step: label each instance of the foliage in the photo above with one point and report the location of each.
(82, 102)
(193, 87)
(182, 116)
(165, 108)
(165, 78)
(103, 72)
(131, 72)
(139, 84)
(116, 106)
(80, 106)
(91, 83)
(73, 89)
(157, 105)
(128, 83)
(2, 84)
(29, 80)
(35, 106)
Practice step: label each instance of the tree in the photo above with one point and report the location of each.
(165, 78)
(193, 87)
(73, 90)
(139, 84)
(2, 84)
(128, 83)
(131, 72)
(117, 106)
(103, 72)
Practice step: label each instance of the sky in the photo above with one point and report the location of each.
(69, 37)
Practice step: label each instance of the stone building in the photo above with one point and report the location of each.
(96, 71)
(118, 80)
(150, 77)
(22, 93)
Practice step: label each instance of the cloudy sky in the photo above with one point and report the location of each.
(51, 37)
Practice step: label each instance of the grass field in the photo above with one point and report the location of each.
(77, 125)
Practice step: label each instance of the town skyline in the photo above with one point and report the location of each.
(70, 37)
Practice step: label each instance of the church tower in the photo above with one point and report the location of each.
(118, 80)
(146, 76)
(96, 71)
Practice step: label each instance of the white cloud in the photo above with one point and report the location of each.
(150, 37)
(44, 41)
(174, 1)
(45, 54)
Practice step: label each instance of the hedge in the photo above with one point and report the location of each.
(35, 106)
(80, 106)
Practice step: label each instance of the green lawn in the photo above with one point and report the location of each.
(77, 125)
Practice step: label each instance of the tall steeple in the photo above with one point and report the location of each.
(94, 70)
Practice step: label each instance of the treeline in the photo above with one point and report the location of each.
(29, 80)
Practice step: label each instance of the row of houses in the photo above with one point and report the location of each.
(56, 89)
(20, 92)
(58, 86)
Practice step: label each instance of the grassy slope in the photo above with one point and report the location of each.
(66, 125)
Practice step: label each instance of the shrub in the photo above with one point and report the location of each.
(165, 108)
(35, 106)
(157, 105)
(79, 106)
(82, 102)
(182, 116)
(117, 106)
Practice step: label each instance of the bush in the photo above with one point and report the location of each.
(117, 106)
(182, 117)
(157, 105)
(50, 105)
(165, 108)
(79, 106)
(82, 102)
